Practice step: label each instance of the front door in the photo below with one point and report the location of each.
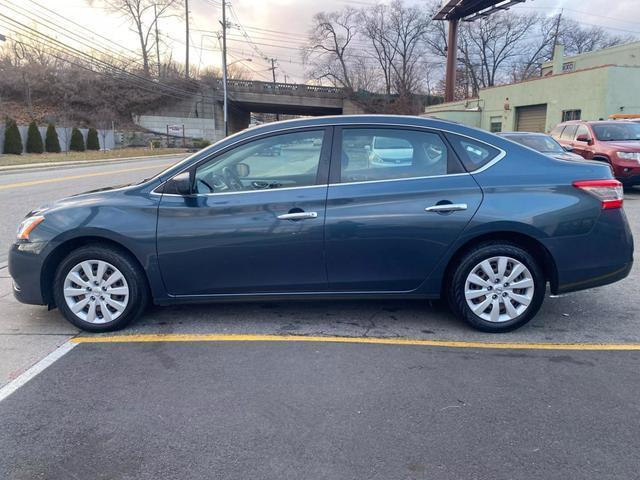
(398, 199)
(254, 223)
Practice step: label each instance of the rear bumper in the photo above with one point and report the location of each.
(25, 268)
(601, 257)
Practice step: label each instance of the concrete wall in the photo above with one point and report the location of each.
(64, 136)
(627, 54)
(597, 92)
(193, 127)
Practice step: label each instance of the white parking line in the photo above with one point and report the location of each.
(47, 361)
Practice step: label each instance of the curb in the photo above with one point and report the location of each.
(40, 166)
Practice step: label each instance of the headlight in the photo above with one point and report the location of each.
(629, 156)
(27, 226)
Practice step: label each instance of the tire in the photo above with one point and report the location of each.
(113, 302)
(484, 292)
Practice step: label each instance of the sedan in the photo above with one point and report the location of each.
(542, 143)
(471, 217)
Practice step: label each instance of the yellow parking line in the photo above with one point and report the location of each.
(75, 177)
(174, 337)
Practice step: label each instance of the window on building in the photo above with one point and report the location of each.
(568, 115)
(495, 125)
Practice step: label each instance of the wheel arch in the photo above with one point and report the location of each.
(524, 241)
(61, 251)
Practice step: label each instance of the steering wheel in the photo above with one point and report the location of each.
(214, 183)
(232, 179)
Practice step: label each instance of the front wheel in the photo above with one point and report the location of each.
(100, 289)
(496, 287)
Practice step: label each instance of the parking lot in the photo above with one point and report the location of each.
(377, 389)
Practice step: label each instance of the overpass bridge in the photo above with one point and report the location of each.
(202, 114)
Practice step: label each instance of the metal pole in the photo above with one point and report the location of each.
(273, 71)
(452, 50)
(186, 13)
(224, 67)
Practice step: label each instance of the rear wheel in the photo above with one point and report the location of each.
(496, 287)
(100, 289)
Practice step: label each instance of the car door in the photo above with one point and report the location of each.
(254, 222)
(388, 225)
(582, 148)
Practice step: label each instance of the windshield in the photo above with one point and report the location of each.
(612, 132)
(540, 143)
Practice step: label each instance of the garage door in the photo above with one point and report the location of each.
(532, 118)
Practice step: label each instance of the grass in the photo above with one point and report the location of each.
(32, 158)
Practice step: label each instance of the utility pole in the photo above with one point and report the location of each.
(273, 71)
(155, 15)
(186, 14)
(556, 34)
(224, 67)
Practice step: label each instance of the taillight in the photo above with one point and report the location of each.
(609, 192)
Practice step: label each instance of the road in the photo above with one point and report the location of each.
(24, 190)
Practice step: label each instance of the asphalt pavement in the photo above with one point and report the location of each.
(243, 410)
(166, 406)
(24, 190)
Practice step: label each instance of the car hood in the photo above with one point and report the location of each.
(630, 145)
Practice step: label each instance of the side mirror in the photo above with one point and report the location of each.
(179, 185)
(567, 148)
(583, 137)
(243, 170)
(367, 148)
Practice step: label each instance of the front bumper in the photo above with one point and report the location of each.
(25, 268)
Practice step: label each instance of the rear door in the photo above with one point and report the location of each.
(388, 223)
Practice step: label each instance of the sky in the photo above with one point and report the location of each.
(277, 28)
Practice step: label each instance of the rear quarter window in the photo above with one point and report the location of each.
(473, 154)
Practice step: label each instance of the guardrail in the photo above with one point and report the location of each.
(252, 86)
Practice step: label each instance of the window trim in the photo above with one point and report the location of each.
(331, 129)
(336, 157)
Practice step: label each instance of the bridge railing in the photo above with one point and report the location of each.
(253, 86)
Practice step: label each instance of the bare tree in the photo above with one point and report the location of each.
(330, 45)
(409, 27)
(377, 30)
(578, 39)
(144, 16)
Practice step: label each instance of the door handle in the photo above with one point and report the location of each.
(298, 216)
(447, 207)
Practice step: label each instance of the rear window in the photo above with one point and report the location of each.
(472, 154)
(556, 132)
(569, 132)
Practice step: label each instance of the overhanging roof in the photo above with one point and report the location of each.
(470, 10)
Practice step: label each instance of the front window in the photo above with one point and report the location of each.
(617, 132)
(382, 154)
(279, 161)
(540, 143)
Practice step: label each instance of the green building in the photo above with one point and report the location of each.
(589, 86)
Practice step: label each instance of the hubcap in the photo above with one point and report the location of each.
(499, 289)
(96, 291)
